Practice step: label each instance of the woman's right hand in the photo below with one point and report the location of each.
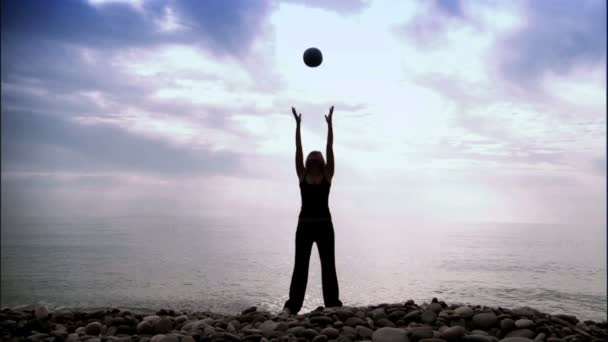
(296, 116)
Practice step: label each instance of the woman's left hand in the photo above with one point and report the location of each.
(328, 117)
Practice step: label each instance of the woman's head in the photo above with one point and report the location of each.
(315, 162)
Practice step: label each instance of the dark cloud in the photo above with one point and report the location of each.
(340, 6)
(40, 143)
(557, 36)
(226, 26)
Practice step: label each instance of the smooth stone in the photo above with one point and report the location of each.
(344, 338)
(254, 337)
(93, 329)
(309, 333)
(364, 332)
(525, 333)
(378, 313)
(560, 321)
(208, 330)
(485, 320)
(434, 339)
(249, 310)
(268, 327)
(229, 337)
(320, 338)
(387, 334)
(422, 332)
(428, 316)
(297, 330)
(112, 331)
(42, 312)
(170, 338)
(480, 332)
(464, 311)
(354, 321)
(525, 311)
(72, 338)
(516, 339)
(188, 339)
(330, 332)
(321, 320)
(507, 324)
(349, 330)
(281, 326)
(385, 322)
(453, 332)
(181, 319)
(157, 338)
(153, 319)
(540, 337)
(569, 318)
(63, 314)
(477, 338)
(163, 325)
(436, 307)
(524, 323)
(412, 315)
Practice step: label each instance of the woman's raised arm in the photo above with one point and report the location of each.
(299, 153)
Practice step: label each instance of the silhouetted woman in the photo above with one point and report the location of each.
(314, 223)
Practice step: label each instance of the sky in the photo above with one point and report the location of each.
(491, 111)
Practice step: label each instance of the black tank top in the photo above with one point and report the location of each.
(315, 199)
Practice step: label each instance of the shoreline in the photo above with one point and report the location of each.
(436, 321)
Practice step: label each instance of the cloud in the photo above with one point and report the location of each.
(39, 143)
(557, 36)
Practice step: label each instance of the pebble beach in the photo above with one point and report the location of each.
(435, 321)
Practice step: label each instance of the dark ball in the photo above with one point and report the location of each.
(313, 57)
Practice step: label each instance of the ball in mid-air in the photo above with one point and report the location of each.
(313, 57)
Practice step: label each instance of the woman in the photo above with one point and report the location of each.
(314, 223)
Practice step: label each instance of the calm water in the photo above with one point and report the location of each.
(226, 265)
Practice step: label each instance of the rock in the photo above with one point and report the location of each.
(229, 337)
(507, 324)
(569, 318)
(354, 321)
(62, 315)
(436, 307)
(72, 338)
(93, 329)
(385, 322)
(364, 332)
(464, 311)
(253, 338)
(330, 332)
(525, 311)
(320, 338)
(454, 332)
(152, 319)
(477, 338)
(429, 316)
(378, 313)
(309, 333)
(540, 337)
(268, 327)
(189, 339)
(516, 339)
(524, 323)
(344, 338)
(412, 315)
(163, 325)
(485, 320)
(479, 332)
(297, 330)
(321, 320)
(387, 334)
(170, 338)
(249, 310)
(526, 333)
(41, 312)
(157, 338)
(145, 328)
(420, 333)
(112, 331)
(434, 339)
(560, 321)
(349, 330)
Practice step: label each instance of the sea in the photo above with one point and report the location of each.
(227, 264)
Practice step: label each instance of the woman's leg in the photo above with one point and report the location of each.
(299, 278)
(325, 244)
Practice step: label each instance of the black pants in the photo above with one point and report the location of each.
(323, 234)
